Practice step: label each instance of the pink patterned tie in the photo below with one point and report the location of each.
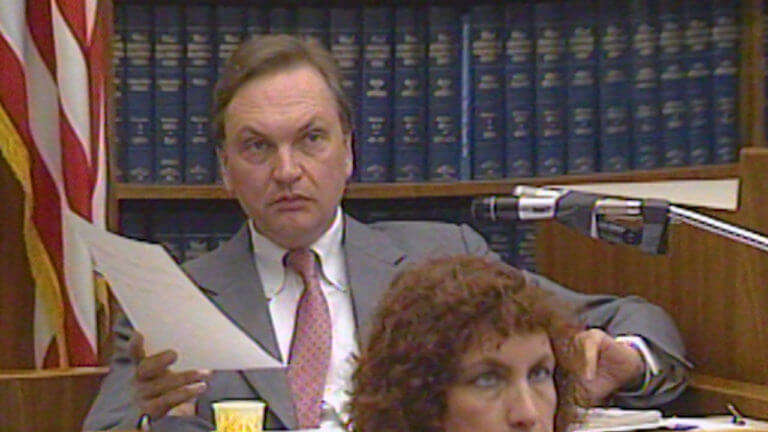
(311, 347)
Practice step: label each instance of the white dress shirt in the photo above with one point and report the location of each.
(283, 288)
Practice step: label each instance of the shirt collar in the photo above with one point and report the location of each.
(269, 257)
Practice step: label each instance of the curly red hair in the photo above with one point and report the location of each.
(431, 314)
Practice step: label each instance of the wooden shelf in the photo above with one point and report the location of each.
(127, 191)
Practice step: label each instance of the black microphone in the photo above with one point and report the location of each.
(511, 208)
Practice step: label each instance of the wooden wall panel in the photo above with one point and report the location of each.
(716, 289)
(47, 401)
(16, 289)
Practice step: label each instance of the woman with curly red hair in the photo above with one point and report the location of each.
(465, 344)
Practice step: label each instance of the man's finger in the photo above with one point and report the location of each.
(155, 365)
(136, 347)
(590, 345)
(160, 406)
(170, 382)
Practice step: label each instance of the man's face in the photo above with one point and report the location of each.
(285, 156)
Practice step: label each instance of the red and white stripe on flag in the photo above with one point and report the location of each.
(53, 135)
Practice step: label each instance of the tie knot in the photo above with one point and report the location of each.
(302, 261)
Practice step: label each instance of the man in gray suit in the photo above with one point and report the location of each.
(284, 130)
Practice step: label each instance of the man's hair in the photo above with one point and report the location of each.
(264, 55)
(432, 313)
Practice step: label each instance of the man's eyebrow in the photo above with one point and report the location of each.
(312, 123)
(248, 131)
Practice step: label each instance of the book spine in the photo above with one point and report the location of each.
(256, 21)
(671, 75)
(168, 94)
(444, 93)
(525, 246)
(312, 24)
(344, 35)
(166, 228)
(646, 117)
(230, 29)
(196, 239)
(487, 78)
(224, 224)
(139, 110)
(726, 45)
(550, 88)
(200, 75)
(282, 20)
(698, 79)
(520, 94)
(376, 100)
(615, 86)
(410, 141)
(118, 87)
(466, 147)
(133, 223)
(581, 61)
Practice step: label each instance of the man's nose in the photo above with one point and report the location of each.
(522, 412)
(287, 167)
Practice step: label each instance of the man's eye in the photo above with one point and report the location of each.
(541, 374)
(255, 145)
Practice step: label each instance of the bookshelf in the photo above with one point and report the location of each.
(751, 130)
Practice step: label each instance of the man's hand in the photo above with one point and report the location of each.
(607, 365)
(159, 391)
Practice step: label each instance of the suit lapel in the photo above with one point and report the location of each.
(372, 261)
(236, 288)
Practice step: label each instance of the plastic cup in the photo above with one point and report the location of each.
(239, 415)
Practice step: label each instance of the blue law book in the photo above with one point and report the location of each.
(444, 93)
(487, 85)
(133, 224)
(196, 238)
(118, 87)
(726, 35)
(200, 68)
(230, 23)
(697, 18)
(525, 246)
(520, 92)
(501, 239)
(615, 86)
(646, 116)
(344, 36)
(410, 98)
(282, 20)
(312, 23)
(169, 94)
(256, 21)
(375, 139)
(223, 225)
(138, 106)
(550, 88)
(581, 81)
(465, 96)
(167, 229)
(674, 125)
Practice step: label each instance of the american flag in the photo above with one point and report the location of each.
(53, 103)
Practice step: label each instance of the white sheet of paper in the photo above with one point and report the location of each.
(715, 194)
(166, 307)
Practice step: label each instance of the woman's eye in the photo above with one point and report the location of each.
(541, 373)
(486, 379)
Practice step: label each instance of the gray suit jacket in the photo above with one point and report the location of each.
(374, 254)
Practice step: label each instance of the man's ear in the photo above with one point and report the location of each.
(221, 156)
(349, 161)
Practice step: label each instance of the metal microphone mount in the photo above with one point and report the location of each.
(635, 222)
